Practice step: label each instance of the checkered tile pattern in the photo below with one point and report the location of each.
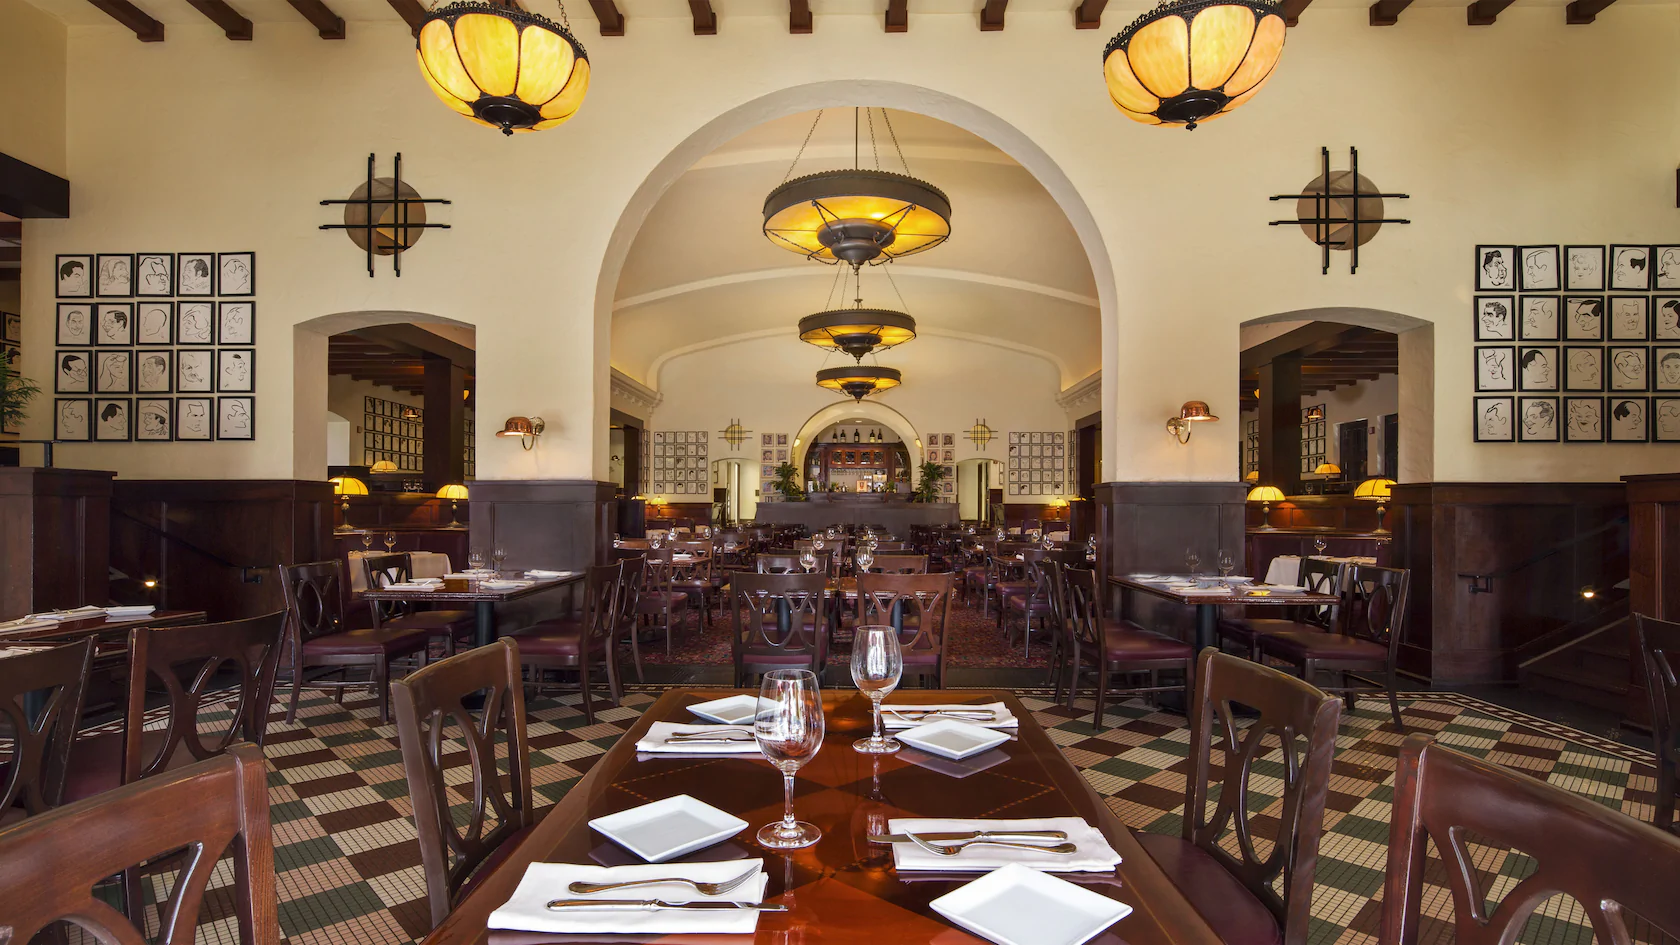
(349, 866)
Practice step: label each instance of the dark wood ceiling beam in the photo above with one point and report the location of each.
(1292, 11)
(412, 12)
(610, 17)
(11, 254)
(898, 16)
(1582, 12)
(1485, 12)
(11, 230)
(233, 25)
(1387, 12)
(328, 24)
(705, 18)
(991, 15)
(799, 16)
(146, 29)
(1088, 15)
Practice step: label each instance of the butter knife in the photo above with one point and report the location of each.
(650, 905)
(972, 835)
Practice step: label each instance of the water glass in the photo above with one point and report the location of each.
(497, 557)
(1319, 543)
(475, 559)
(808, 559)
(865, 561)
(367, 540)
(390, 540)
(789, 729)
(1225, 563)
(816, 543)
(877, 666)
(1192, 560)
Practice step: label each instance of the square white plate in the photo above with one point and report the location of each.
(735, 710)
(1018, 905)
(668, 828)
(951, 739)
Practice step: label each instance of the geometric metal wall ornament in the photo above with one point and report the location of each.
(979, 434)
(1340, 210)
(384, 216)
(734, 434)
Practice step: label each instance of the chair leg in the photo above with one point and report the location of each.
(382, 677)
(1394, 703)
(636, 647)
(1102, 696)
(583, 686)
(1663, 816)
(297, 686)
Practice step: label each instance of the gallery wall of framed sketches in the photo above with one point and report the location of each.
(941, 449)
(11, 351)
(680, 466)
(772, 452)
(1037, 464)
(1577, 344)
(155, 347)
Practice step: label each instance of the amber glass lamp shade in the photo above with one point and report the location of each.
(857, 216)
(860, 381)
(383, 466)
(1265, 494)
(1253, 476)
(502, 66)
(454, 492)
(857, 331)
(1190, 61)
(1327, 469)
(1374, 489)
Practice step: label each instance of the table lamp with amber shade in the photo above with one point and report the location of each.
(347, 486)
(454, 492)
(1377, 490)
(1265, 495)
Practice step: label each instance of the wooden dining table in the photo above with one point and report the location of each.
(1207, 605)
(843, 889)
(483, 599)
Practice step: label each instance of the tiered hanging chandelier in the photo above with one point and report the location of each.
(1190, 61)
(859, 381)
(502, 66)
(857, 330)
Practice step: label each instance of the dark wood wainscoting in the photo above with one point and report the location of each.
(1654, 571)
(410, 509)
(1265, 545)
(562, 524)
(1443, 530)
(55, 538)
(214, 544)
(1148, 526)
(1017, 514)
(678, 514)
(1341, 513)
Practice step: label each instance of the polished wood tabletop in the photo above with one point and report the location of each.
(1247, 595)
(101, 625)
(475, 593)
(844, 889)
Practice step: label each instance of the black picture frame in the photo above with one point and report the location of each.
(63, 427)
(1665, 425)
(11, 327)
(1664, 365)
(154, 323)
(1537, 420)
(1495, 268)
(108, 410)
(1665, 270)
(1538, 368)
(1485, 379)
(225, 428)
(1496, 317)
(227, 277)
(1583, 420)
(1539, 318)
(1487, 429)
(1583, 317)
(67, 279)
(118, 268)
(65, 333)
(1532, 277)
(1621, 272)
(106, 316)
(11, 356)
(227, 364)
(1628, 318)
(195, 323)
(195, 429)
(195, 275)
(154, 275)
(113, 371)
(1583, 268)
(1583, 368)
(147, 427)
(1617, 378)
(1665, 318)
(1634, 426)
(203, 362)
(67, 384)
(236, 322)
(148, 377)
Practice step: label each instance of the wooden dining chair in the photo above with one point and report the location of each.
(632, 575)
(316, 638)
(919, 605)
(1108, 647)
(660, 598)
(778, 621)
(1239, 893)
(580, 642)
(1366, 639)
(41, 695)
(1659, 649)
(210, 809)
(699, 578)
(1318, 576)
(1030, 603)
(433, 727)
(779, 562)
(453, 629)
(1614, 867)
(899, 564)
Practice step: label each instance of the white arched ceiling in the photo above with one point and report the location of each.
(700, 272)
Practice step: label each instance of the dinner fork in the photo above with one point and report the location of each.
(1060, 849)
(706, 889)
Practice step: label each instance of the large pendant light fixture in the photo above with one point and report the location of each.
(857, 330)
(1190, 61)
(503, 66)
(859, 215)
(859, 381)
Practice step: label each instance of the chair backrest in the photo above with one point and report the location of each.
(1374, 604)
(1301, 719)
(313, 606)
(40, 740)
(899, 564)
(700, 567)
(192, 664)
(787, 613)
(1083, 605)
(380, 569)
(425, 702)
(1609, 863)
(211, 809)
(925, 613)
(632, 572)
(601, 600)
(1321, 577)
(1659, 649)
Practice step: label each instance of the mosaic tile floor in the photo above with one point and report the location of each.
(349, 867)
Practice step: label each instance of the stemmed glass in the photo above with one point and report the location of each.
(1192, 560)
(1319, 543)
(497, 556)
(865, 560)
(390, 540)
(367, 540)
(656, 543)
(1091, 548)
(475, 559)
(789, 729)
(808, 559)
(1225, 563)
(816, 542)
(1001, 534)
(877, 665)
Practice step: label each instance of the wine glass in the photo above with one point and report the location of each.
(789, 729)
(656, 543)
(1225, 563)
(816, 543)
(808, 559)
(475, 559)
(1192, 560)
(865, 560)
(877, 664)
(390, 540)
(367, 540)
(497, 556)
(1319, 543)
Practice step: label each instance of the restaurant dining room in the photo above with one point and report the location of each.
(833, 472)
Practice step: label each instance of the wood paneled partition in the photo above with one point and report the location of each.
(1654, 572)
(54, 539)
(562, 524)
(1148, 526)
(214, 544)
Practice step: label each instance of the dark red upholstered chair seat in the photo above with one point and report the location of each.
(1247, 628)
(1007, 589)
(1300, 645)
(1125, 640)
(657, 602)
(551, 638)
(1026, 604)
(96, 764)
(390, 640)
(1234, 914)
(921, 657)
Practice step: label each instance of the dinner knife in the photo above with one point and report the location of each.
(651, 905)
(972, 835)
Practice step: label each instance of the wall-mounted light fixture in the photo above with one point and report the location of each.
(1193, 411)
(454, 492)
(526, 428)
(347, 486)
(1265, 495)
(1588, 592)
(1377, 490)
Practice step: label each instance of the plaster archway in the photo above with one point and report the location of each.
(845, 93)
(869, 411)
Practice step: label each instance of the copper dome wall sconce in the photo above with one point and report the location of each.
(526, 428)
(1193, 411)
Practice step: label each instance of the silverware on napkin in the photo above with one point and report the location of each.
(652, 905)
(972, 835)
(985, 714)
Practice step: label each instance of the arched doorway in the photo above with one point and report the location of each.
(863, 412)
(976, 480)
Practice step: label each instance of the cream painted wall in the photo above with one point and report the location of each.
(1175, 220)
(32, 73)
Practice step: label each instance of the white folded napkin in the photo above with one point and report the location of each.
(1094, 855)
(1288, 588)
(1284, 569)
(134, 610)
(503, 585)
(1000, 716)
(527, 910)
(54, 616)
(545, 575)
(23, 623)
(412, 586)
(656, 740)
(1222, 590)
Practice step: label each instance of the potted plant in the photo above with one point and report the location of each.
(786, 483)
(15, 393)
(927, 490)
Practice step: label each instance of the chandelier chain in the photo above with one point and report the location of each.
(872, 148)
(903, 306)
(564, 19)
(894, 136)
(801, 153)
(836, 285)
